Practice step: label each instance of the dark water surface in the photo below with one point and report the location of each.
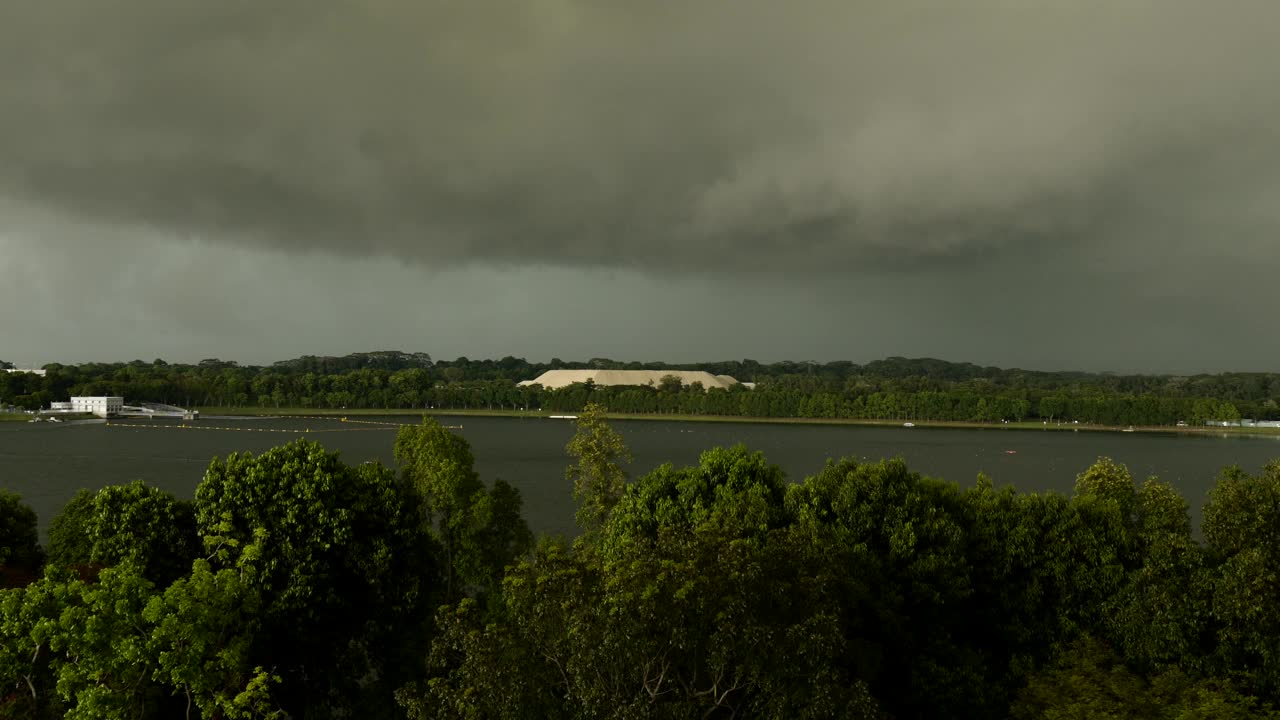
(47, 464)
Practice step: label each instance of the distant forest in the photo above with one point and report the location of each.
(891, 389)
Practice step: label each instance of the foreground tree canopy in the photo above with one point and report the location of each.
(295, 585)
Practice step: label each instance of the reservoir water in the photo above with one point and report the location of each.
(47, 464)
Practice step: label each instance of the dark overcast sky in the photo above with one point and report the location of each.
(1044, 184)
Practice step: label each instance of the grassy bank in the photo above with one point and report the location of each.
(359, 412)
(1023, 426)
(61, 417)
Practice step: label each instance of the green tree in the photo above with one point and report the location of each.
(597, 474)
(1111, 481)
(116, 649)
(69, 541)
(695, 601)
(1242, 541)
(499, 664)
(20, 553)
(897, 543)
(100, 666)
(480, 530)
(134, 523)
(1039, 567)
(345, 572)
(28, 621)
(1090, 680)
(202, 641)
(1158, 618)
(1108, 497)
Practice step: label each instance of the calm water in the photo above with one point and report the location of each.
(48, 463)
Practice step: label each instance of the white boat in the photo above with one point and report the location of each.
(563, 417)
(908, 424)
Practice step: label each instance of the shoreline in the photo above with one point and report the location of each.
(1025, 426)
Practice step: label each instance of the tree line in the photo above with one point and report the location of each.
(892, 389)
(296, 585)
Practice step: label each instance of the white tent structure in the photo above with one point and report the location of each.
(561, 378)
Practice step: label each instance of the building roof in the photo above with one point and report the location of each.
(563, 378)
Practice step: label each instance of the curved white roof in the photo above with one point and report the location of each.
(562, 378)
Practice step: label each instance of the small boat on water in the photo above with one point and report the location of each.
(1010, 452)
(563, 417)
(908, 424)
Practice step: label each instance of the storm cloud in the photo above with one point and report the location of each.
(655, 135)
(1049, 184)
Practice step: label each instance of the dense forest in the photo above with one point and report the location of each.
(296, 585)
(892, 389)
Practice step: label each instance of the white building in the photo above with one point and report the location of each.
(553, 379)
(33, 371)
(60, 406)
(100, 406)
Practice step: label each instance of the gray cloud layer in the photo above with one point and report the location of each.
(1090, 184)
(655, 135)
